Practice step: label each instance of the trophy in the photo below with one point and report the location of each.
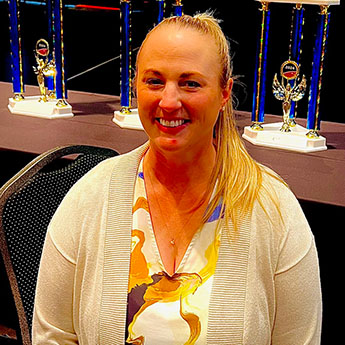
(291, 88)
(49, 70)
(45, 68)
(288, 92)
(127, 117)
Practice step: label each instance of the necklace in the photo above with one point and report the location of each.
(173, 216)
(185, 232)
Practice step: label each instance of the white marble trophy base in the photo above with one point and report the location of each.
(129, 121)
(31, 106)
(296, 140)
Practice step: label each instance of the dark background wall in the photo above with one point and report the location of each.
(93, 37)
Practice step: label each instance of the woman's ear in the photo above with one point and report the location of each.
(227, 92)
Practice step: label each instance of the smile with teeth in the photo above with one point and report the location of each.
(171, 123)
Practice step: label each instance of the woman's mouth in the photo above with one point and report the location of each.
(171, 126)
(171, 123)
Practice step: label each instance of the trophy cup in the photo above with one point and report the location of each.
(291, 89)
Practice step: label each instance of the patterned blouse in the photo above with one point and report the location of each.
(164, 309)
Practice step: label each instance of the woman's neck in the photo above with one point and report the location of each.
(179, 172)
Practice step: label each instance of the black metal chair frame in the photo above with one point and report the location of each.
(14, 185)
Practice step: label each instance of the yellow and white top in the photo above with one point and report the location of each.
(164, 309)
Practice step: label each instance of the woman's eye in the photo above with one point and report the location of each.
(154, 82)
(191, 84)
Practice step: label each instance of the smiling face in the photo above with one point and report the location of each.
(178, 89)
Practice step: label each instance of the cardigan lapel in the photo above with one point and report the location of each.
(117, 248)
(226, 310)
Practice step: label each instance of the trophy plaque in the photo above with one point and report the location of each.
(292, 88)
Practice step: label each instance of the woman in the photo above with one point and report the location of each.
(186, 240)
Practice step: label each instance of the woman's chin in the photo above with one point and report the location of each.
(165, 144)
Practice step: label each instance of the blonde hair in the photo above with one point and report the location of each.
(237, 176)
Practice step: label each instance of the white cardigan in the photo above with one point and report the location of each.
(266, 286)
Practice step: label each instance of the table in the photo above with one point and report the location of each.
(317, 177)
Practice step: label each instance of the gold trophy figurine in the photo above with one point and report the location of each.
(288, 91)
(45, 68)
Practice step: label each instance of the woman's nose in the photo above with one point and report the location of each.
(170, 98)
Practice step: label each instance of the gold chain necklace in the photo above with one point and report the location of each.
(154, 194)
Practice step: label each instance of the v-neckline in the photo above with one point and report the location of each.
(179, 268)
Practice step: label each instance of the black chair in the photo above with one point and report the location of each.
(27, 203)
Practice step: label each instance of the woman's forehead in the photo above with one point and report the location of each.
(172, 43)
(173, 34)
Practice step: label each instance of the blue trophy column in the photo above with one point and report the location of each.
(161, 7)
(125, 94)
(258, 108)
(60, 86)
(295, 46)
(313, 118)
(16, 51)
(51, 38)
(178, 8)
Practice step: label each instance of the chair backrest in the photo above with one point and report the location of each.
(27, 204)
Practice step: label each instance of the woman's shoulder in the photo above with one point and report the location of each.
(274, 184)
(278, 201)
(280, 218)
(280, 204)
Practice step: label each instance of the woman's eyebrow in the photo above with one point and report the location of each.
(184, 75)
(190, 74)
(153, 71)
